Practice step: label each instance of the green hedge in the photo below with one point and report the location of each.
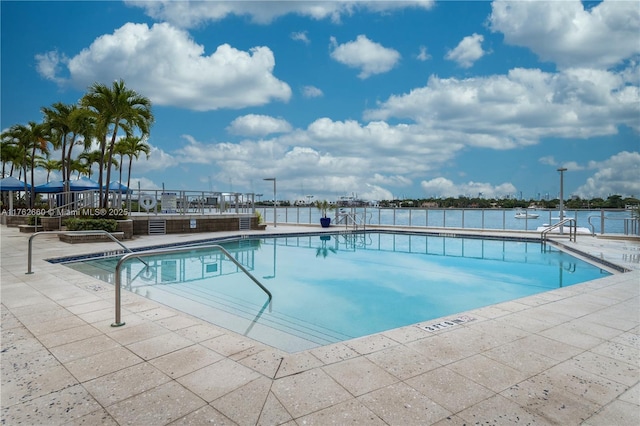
(108, 225)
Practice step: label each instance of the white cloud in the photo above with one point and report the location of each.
(567, 33)
(311, 92)
(520, 108)
(619, 174)
(442, 187)
(166, 65)
(194, 13)
(423, 55)
(258, 125)
(50, 64)
(370, 57)
(300, 36)
(343, 156)
(467, 51)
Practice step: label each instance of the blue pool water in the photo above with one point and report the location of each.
(336, 287)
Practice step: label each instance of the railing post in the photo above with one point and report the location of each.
(118, 322)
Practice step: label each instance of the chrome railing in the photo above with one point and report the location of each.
(148, 253)
(94, 232)
(572, 229)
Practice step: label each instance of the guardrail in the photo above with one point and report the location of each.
(94, 232)
(572, 229)
(119, 323)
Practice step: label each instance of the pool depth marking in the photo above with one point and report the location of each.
(447, 323)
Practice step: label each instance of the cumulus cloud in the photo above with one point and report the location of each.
(521, 107)
(346, 156)
(166, 65)
(467, 51)
(442, 187)
(423, 55)
(619, 174)
(568, 34)
(311, 92)
(300, 36)
(50, 64)
(370, 57)
(189, 14)
(258, 125)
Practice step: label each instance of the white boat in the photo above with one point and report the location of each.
(520, 214)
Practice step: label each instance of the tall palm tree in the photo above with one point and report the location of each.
(9, 153)
(83, 126)
(49, 165)
(57, 123)
(80, 167)
(121, 151)
(30, 138)
(89, 158)
(117, 108)
(133, 147)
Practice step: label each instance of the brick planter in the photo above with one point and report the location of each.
(50, 223)
(126, 227)
(80, 238)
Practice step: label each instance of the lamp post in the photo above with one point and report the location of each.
(562, 170)
(274, 199)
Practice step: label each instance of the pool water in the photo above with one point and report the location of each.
(330, 288)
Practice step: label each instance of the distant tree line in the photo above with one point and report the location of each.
(611, 202)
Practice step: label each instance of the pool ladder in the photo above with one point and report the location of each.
(148, 253)
(572, 229)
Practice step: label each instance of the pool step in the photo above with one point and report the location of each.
(255, 319)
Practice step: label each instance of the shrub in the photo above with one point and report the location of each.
(108, 225)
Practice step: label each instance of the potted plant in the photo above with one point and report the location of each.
(324, 206)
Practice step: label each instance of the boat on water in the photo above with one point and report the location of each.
(521, 214)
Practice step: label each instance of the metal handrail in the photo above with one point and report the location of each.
(634, 222)
(94, 232)
(355, 219)
(572, 229)
(148, 253)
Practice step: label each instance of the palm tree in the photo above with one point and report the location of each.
(121, 151)
(9, 153)
(49, 165)
(117, 108)
(30, 138)
(56, 121)
(90, 158)
(83, 126)
(133, 147)
(80, 167)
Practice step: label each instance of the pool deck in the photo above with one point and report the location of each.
(566, 357)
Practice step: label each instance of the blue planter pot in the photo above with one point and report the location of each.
(325, 222)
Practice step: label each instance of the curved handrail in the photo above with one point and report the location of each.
(148, 253)
(572, 229)
(92, 232)
(626, 220)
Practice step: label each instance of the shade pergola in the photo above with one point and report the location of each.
(12, 184)
(55, 187)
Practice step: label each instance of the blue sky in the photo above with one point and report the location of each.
(379, 99)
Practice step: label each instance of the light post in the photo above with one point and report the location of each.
(562, 170)
(274, 199)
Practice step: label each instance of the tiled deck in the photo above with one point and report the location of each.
(566, 357)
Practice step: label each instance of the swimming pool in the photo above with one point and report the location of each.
(330, 288)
